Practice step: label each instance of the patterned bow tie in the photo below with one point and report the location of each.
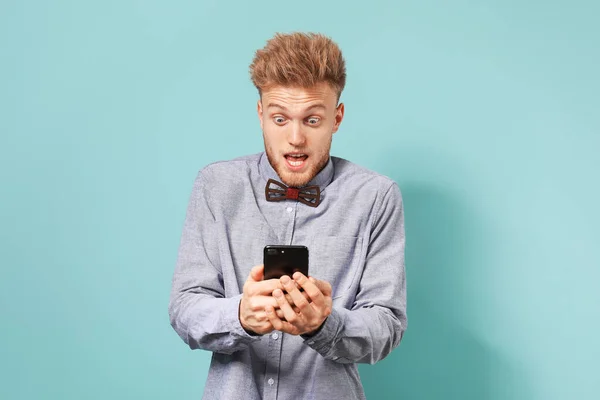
(277, 191)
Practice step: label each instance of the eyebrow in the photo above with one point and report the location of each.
(275, 105)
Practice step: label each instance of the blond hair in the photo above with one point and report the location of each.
(299, 59)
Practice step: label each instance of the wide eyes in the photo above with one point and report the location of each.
(311, 121)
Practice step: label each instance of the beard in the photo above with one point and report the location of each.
(298, 179)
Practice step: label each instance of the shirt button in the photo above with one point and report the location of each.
(289, 209)
(275, 336)
(271, 381)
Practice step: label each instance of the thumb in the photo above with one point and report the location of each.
(257, 273)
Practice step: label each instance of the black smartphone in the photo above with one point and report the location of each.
(285, 260)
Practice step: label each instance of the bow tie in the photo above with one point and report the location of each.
(277, 191)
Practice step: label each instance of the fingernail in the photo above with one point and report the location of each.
(285, 279)
(297, 276)
(277, 293)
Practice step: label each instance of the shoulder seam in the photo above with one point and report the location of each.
(380, 206)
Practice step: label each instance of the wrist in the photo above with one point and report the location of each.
(315, 331)
(243, 324)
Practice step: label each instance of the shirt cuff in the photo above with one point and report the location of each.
(323, 340)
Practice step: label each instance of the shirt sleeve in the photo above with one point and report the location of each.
(198, 309)
(374, 325)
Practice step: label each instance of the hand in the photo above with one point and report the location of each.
(304, 315)
(255, 297)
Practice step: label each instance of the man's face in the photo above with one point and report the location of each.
(298, 124)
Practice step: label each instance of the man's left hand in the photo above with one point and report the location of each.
(309, 309)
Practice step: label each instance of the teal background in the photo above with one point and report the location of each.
(485, 112)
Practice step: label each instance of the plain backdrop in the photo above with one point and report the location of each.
(486, 113)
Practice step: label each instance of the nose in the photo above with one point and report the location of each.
(296, 136)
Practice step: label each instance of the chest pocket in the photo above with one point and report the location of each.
(335, 259)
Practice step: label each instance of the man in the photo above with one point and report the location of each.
(296, 337)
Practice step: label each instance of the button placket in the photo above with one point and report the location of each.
(272, 369)
(291, 210)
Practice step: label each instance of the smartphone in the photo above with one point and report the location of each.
(285, 260)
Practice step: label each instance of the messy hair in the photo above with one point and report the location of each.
(299, 59)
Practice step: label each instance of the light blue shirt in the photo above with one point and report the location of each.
(356, 241)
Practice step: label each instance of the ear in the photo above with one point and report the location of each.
(259, 110)
(339, 116)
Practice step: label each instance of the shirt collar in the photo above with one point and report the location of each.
(322, 179)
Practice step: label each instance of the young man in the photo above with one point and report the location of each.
(269, 339)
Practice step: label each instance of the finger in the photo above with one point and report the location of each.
(273, 318)
(265, 288)
(279, 324)
(256, 285)
(288, 313)
(323, 286)
(257, 273)
(258, 303)
(289, 298)
(298, 298)
(314, 293)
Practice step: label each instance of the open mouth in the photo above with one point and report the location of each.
(296, 160)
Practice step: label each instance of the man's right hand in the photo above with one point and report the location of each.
(256, 296)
